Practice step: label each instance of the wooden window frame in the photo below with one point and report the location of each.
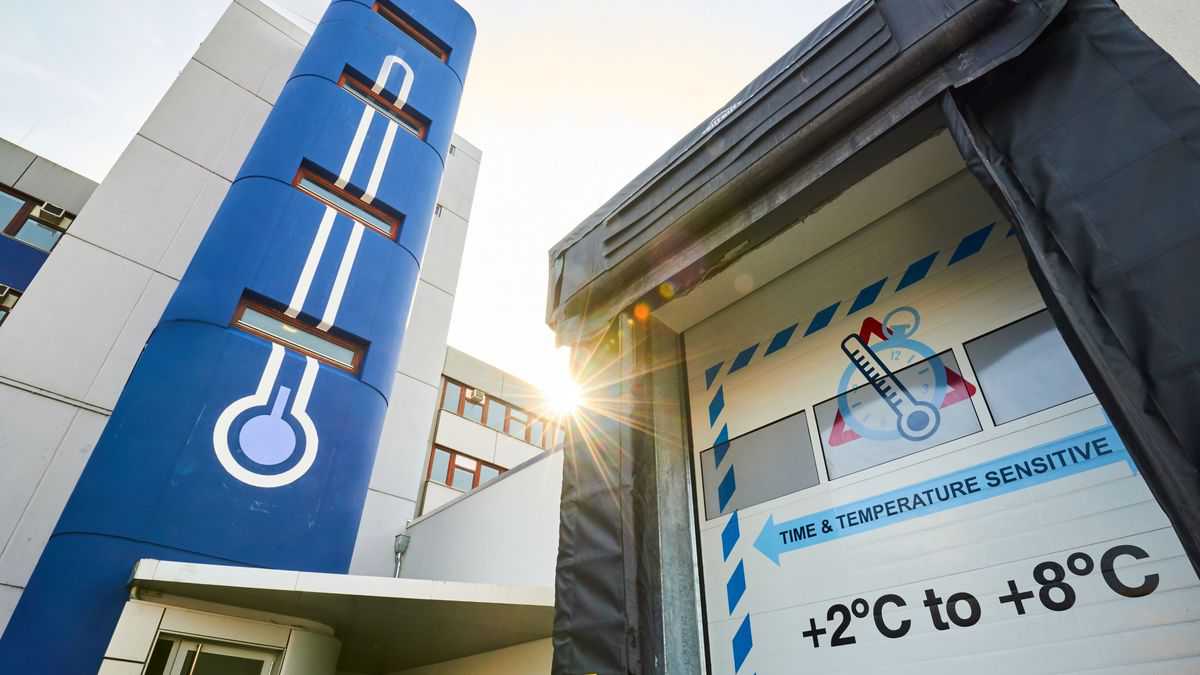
(548, 425)
(407, 114)
(359, 348)
(24, 213)
(462, 390)
(414, 30)
(11, 227)
(307, 171)
(6, 292)
(454, 454)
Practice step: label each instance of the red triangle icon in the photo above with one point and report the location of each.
(959, 389)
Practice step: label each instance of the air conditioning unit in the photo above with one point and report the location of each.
(476, 396)
(55, 215)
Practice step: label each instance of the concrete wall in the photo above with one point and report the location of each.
(39, 177)
(408, 428)
(477, 440)
(530, 658)
(505, 532)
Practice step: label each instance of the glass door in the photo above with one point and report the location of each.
(179, 656)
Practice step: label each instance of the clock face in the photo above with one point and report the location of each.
(916, 367)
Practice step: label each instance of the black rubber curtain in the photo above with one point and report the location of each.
(1090, 140)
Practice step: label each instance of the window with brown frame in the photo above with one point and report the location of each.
(408, 118)
(8, 300)
(267, 322)
(322, 188)
(416, 31)
(497, 415)
(31, 222)
(459, 470)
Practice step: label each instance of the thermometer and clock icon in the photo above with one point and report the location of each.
(911, 404)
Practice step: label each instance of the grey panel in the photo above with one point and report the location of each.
(770, 462)
(1025, 367)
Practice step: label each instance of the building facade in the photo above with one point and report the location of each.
(834, 295)
(40, 200)
(238, 241)
(489, 421)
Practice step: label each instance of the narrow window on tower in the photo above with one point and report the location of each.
(254, 316)
(375, 216)
(415, 30)
(405, 116)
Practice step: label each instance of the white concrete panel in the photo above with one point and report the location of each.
(458, 183)
(463, 145)
(424, 348)
(310, 654)
(466, 436)
(193, 227)
(13, 161)
(512, 524)
(50, 492)
(406, 438)
(134, 635)
(50, 182)
(511, 452)
(530, 658)
(8, 602)
(521, 393)
(1173, 25)
(31, 428)
(437, 495)
(384, 516)
(113, 667)
(207, 119)
(246, 49)
(80, 300)
(110, 381)
(141, 208)
(224, 627)
(444, 251)
(473, 372)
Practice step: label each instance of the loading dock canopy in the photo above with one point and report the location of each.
(384, 624)
(725, 187)
(1082, 129)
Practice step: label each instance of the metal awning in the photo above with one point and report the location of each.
(385, 624)
(835, 108)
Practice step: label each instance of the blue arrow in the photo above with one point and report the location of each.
(1047, 462)
(769, 542)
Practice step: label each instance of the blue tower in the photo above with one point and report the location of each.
(247, 431)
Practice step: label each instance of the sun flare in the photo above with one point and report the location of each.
(563, 396)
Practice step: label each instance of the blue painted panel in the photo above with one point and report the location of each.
(447, 20)
(163, 436)
(224, 447)
(19, 263)
(260, 241)
(355, 36)
(316, 122)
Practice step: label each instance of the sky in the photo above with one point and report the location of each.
(567, 99)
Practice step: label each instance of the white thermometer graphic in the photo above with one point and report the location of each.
(915, 420)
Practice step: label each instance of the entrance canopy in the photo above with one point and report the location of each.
(384, 624)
